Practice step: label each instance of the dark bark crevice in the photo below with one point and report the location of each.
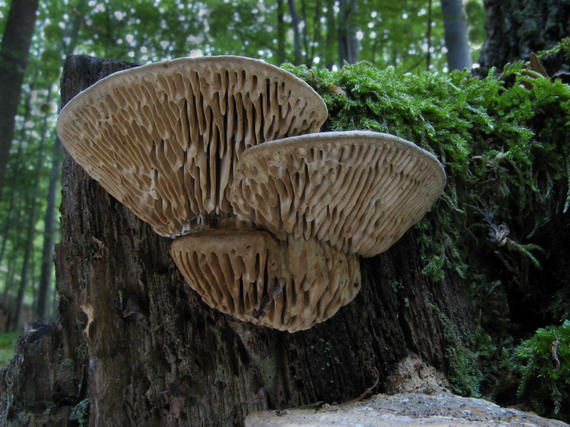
(515, 28)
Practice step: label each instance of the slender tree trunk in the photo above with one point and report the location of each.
(296, 32)
(305, 35)
(456, 35)
(317, 47)
(515, 28)
(331, 39)
(13, 60)
(159, 356)
(9, 285)
(43, 297)
(428, 34)
(347, 28)
(16, 222)
(281, 57)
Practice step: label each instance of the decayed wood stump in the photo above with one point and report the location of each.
(141, 346)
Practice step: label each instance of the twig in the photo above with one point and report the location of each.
(555, 354)
(368, 390)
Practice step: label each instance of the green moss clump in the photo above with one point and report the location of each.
(80, 412)
(544, 365)
(504, 148)
(504, 143)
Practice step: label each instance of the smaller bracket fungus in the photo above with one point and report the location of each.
(358, 191)
(288, 285)
(164, 138)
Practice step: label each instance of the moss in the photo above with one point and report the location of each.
(503, 141)
(504, 148)
(80, 412)
(463, 367)
(7, 345)
(544, 365)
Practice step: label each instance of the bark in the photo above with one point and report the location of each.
(515, 28)
(159, 356)
(10, 303)
(347, 28)
(296, 32)
(428, 34)
(280, 33)
(331, 36)
(456, 35)
(305, 35)
(13, 60)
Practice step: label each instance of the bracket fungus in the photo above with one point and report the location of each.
(164, 138)
(288, 285)
(359, 191)
(268, 216)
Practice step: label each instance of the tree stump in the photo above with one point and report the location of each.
(135, 345)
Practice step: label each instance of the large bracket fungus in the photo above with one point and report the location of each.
(164, 138)
(188, 144)
(359, 191)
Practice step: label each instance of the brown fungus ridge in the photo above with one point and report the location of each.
(358, 191)
(287, 285)
(164, 138)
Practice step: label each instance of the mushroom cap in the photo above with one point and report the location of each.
(288, 285)
(359, 191)
(163, 138)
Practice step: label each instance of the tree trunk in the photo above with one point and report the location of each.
(347, 28)
(515, 28)
(456, 35)
(43, 297)
(281, 36)
(10, 302)
(159, 356)
(331, 36)
(13, 61)
(296, 32)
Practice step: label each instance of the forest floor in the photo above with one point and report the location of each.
(417, 395)
(403, 410)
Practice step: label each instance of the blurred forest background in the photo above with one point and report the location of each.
(407, 35)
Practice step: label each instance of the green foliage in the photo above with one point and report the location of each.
(565, 47)
(388, 33)
(503, 147)
(503, 142)
(544, 364)
(464, 372)
(476, 18)
(80, 413)
(7, 344)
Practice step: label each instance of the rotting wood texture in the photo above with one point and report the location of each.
(142, 347)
